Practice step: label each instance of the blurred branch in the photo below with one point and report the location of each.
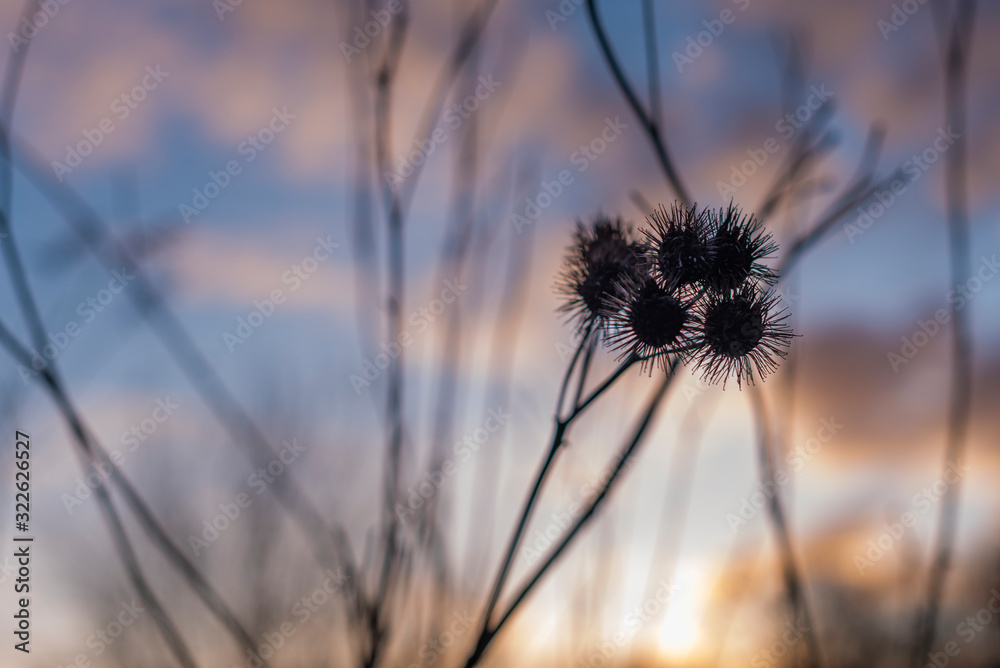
(395, 256)
(959, 251)
(33, 319)
(453, 256)
(540, 477)
(621, 461)
(95, 455)
(509, 318)
(330, 544)
(794, 584)
(471, 33)
(15, 265)
(804, 155)
(649, 122)
(679, 486)
(652, 61)
(366, 274)
(640, 202)
(853, 196)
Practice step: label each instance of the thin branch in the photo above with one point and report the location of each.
(652, 61)
(855, 197)
(621, 460)
(585, 369)
(960, 403)
(794, 584)
(15, 265)
(330, 544)
(123, 546)
(32, 316)
(506, 328)
(649, 123)
(525, 515)
(471, 33)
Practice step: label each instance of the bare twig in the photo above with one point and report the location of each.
(621, 460)
(652, 61)
(29, 309)
(959, 411)
(648, 122)
(525, 515)
(794, 584)
(92, 455)
(330, 544)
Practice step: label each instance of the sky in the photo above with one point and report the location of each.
(221, 147)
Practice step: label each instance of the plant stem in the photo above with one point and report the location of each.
(488, 632)
(794, 586)
(649, 123)
(960, 33)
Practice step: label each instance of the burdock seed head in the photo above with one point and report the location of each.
(677, 246)
(649, 322)
(694, 290)
(603, 253)
(738, 244)
(740, 336)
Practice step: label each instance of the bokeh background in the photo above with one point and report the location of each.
(684, 517)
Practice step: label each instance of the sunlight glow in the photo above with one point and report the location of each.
(680, 630)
